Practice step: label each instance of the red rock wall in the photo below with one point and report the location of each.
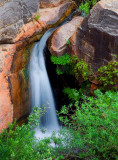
(6, 107)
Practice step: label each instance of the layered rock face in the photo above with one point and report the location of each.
(21, 24)
(94, 38)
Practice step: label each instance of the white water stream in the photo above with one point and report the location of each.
(41, 88)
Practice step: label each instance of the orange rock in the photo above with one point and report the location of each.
(58, 43)
(6, 107)
(19, 94)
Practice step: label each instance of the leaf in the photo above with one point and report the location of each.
(37, 17)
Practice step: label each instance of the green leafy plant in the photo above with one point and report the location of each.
(20, 143)
(107, 75)
(86, 6)
(72, 65)
(63, 60)
(68, 42)
(63, 63)
(37, 17)
(73, 94)
(82, 69)
(91, 132)
(93, 127)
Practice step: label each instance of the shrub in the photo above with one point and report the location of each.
(91, 132)
(107, 75)
(72, 65)
(86, 6)
(75, 95)
(93, 126)
(82, 70)
(63, 63)
(20, 142)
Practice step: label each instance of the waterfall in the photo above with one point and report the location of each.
(40, 85)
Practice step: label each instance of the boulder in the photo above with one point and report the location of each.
(21, 24)
(58, 43)
(97, 39)
(104, 17)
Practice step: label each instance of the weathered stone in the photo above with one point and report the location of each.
(54, 3)
(104, 17)
(58, 43)
(13, 15)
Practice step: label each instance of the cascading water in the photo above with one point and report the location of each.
(40, 86)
